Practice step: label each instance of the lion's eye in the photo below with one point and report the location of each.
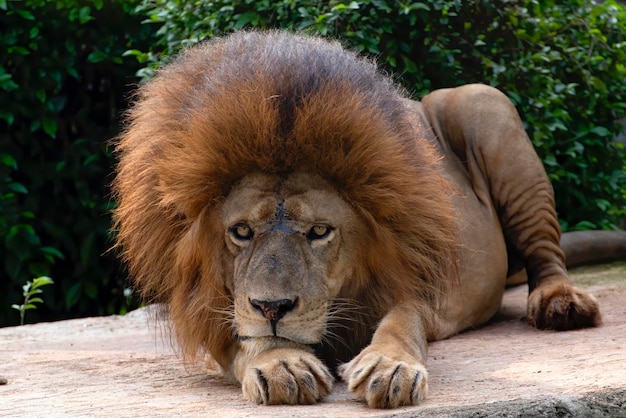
(241, 232)
(318, 232)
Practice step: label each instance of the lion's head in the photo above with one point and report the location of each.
(274, 187)
(292, 242)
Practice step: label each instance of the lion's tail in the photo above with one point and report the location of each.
(590, 247)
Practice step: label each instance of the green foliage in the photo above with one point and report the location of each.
(65, 71)
(30, 290)
(562, 63)
(62, 85)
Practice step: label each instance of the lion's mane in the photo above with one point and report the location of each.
(274, 102)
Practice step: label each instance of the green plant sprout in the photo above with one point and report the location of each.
(31, 289)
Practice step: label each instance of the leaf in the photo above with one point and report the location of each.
(601, 131)
(18, 188)
(246, 18)
(97, 56)
(341, 6)
(90, 160)
(56, 104)
(16, 229)
(91, 290)
(8, 116)
(72, 72)
(86, 248)
(72, 295)
(35, 125)
(84, 15)
(13, 266)
(36, 300)
(42, 281)
(584, 225)
(133, 53)
(18, 50)
(26, 14)
(50, 127)
(18, 307)
(421, 6)
(8, 160)
(53, 252)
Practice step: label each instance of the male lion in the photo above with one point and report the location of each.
(300, 216)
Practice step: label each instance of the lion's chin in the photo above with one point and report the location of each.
(268, 342)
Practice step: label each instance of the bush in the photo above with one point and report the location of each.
(563, 64)
(64, 78)
(62, 85)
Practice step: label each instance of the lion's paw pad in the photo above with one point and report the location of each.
(385, 383)
(287, 381)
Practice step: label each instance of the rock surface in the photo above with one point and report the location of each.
(126, 367)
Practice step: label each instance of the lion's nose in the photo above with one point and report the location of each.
(274, 310)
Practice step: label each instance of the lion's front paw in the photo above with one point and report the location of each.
(276, 377)
(561, 306)
(383, 382)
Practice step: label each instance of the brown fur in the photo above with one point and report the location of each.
(436, 203)
(224, 109)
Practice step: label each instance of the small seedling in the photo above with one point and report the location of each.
(31, 289)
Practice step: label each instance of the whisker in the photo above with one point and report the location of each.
(347, 320)
(331, 336)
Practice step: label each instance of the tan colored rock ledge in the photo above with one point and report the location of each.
(122, 367)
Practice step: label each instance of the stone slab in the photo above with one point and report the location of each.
(126, 367)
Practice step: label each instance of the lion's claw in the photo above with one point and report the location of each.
(299, 379)
(383, 382)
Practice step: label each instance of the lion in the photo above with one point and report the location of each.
(304, 220)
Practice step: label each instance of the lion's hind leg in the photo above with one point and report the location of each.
(482, 126)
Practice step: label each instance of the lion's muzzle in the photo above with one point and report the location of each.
(274, 310)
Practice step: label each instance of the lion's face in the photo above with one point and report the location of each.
(292, 244)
